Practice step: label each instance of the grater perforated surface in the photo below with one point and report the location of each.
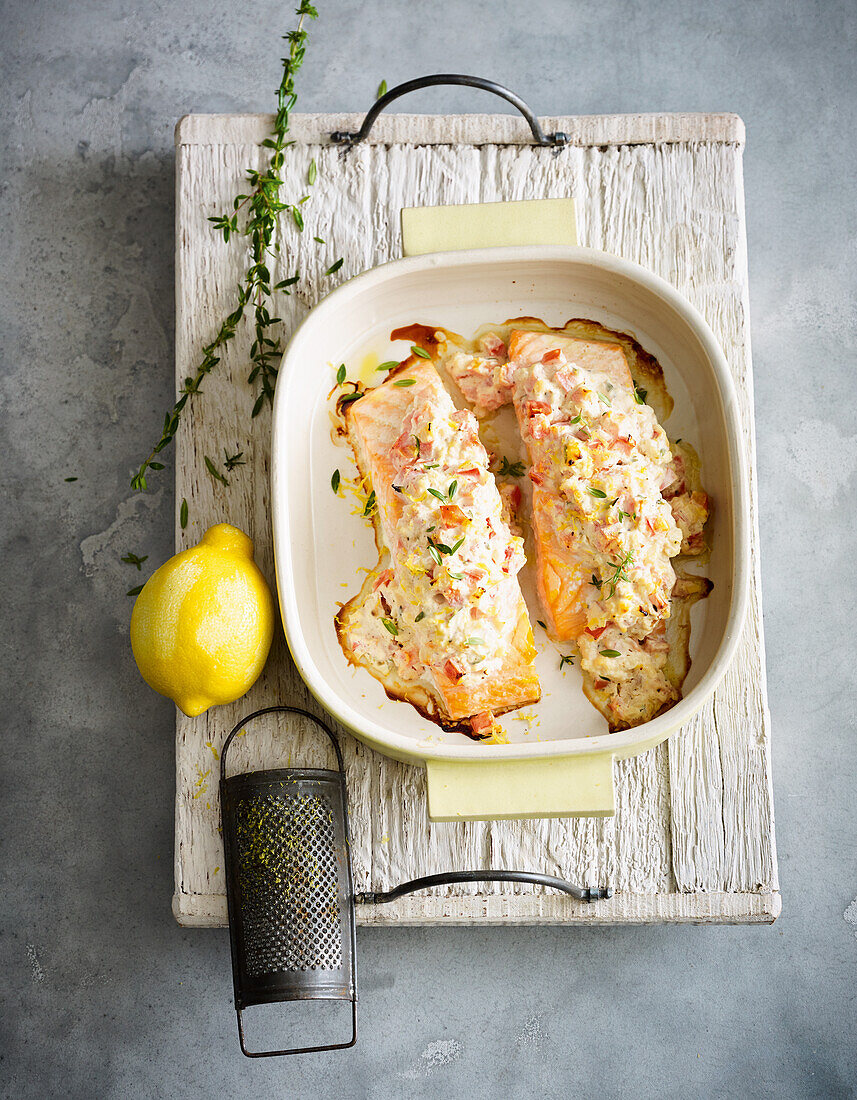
(288, 878)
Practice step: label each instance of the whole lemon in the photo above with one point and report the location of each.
(202, 627)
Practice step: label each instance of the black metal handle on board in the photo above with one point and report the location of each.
(539, 136)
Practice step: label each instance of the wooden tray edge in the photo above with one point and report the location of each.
(477, 129)
(209, 910)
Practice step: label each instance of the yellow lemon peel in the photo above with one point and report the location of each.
(202, 626)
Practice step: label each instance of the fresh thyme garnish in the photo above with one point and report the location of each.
(456, 545)
(603, 397)
(609, 652)
(213, 470)
(370, 504)
(132, 559)
(335, 481)
(405, 382)
(541, 624)
(420, 617)
(390, 363)
(475, 641)
(332, 270)
(618, 574)
(231, 461)
(639, 394)
(568, 659)
(347, 398)
(135, 591)
(183, 514)
(263, 205)
(456, 576)
(450, 492)
(432, 466)
(595, 581)
(382, 89)
(421, 352)
(435, 553)
(577, 419)
(391, 626)
(437, 493)
(340, 374)
(512, 469)
(70, 479)
(598, 493)
(310, 178)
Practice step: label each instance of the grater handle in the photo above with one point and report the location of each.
(278, 710)
(540, 137)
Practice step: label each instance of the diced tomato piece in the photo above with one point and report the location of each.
(452, 670)
(383, 578)
(536, 477)
(493, 344)
(471, 471)
(565, 377)
(533, 408)
(597, 632)
(483, 724)
(451, 513)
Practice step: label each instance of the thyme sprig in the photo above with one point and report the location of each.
(263, 205)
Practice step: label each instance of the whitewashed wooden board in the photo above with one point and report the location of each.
(693, 835)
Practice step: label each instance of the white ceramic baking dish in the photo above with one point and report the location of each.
(559, 761)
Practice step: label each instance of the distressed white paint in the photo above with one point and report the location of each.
(692, 839)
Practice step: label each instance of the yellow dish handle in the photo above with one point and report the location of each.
(487, 225)
(544, 786)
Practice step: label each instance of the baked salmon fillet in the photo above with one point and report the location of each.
(613, 504)
(440, 621)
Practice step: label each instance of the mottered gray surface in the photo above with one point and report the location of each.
(102, 993)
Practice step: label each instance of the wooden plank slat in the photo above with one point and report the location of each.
(692, 839)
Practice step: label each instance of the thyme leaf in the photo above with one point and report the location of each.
(512, 469)
(421, 352)
(609, 652)
(183, 514)
(391, 626)
(335, 481)
(213, 470)
(132, 559)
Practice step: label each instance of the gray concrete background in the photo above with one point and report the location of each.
(102, 994)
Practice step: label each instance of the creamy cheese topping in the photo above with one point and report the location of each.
(449, 598)
(603, 460)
